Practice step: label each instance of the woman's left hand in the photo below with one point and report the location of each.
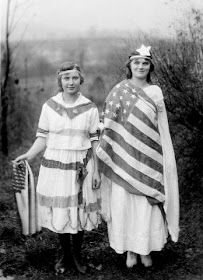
(96, 180)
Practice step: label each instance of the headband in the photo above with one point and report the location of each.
(68, 71)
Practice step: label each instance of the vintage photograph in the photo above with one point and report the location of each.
(101, 140)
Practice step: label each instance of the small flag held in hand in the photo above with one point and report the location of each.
(19, 176)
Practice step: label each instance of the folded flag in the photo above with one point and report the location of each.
(19, 177)
(26, 199)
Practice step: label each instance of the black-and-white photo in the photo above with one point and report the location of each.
(101, 140)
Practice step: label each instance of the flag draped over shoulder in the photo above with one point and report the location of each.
(130, 151)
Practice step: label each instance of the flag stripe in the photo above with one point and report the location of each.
(133, 141)
(143, 137)
(145, 129)
(142, 93)
(130, 159)
(135, 184)
(108, 172)
(132, 172)
(140, 114)
(140, 156)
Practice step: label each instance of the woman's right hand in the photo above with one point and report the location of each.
(21, 157)
(38, 146)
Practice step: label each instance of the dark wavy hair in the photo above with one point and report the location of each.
(69, 65)
(129, 72)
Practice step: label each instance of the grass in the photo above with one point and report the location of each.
(34, 257)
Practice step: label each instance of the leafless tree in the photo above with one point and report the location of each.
(7, 61)
(5, 65)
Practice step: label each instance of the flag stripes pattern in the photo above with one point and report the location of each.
(131, 172)
(130, 147)
(116, 150)
(140, 134)
(141, 115)
(132, 140)
(132, 150)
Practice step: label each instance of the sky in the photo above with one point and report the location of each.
(44, 19)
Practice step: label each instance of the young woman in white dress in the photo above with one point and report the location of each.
(139, 185)
(68, 183)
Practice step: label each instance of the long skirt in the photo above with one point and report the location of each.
(57, 191)
(133, 224)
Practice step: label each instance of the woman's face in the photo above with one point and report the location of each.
(140, 68)
(71, 82)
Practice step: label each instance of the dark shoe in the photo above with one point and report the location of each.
(76, 244)
(65, 259)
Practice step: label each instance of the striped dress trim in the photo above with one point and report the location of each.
(71, 132)
(50, 163)
(71, 112)
(42, 132)
(65, 202)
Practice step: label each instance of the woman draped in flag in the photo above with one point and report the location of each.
(68, 183)
(139, 189)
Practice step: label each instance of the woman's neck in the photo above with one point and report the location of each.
(68, 98)
(139, 82)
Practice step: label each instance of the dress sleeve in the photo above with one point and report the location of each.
(43, 125)
(94, 125)
(171, 205)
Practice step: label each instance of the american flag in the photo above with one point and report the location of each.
(130, 151)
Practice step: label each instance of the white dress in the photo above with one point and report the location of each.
(133, 224)
(69, 130)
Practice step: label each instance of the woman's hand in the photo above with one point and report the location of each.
(96, 180)
(37, 147)
(21, 157)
